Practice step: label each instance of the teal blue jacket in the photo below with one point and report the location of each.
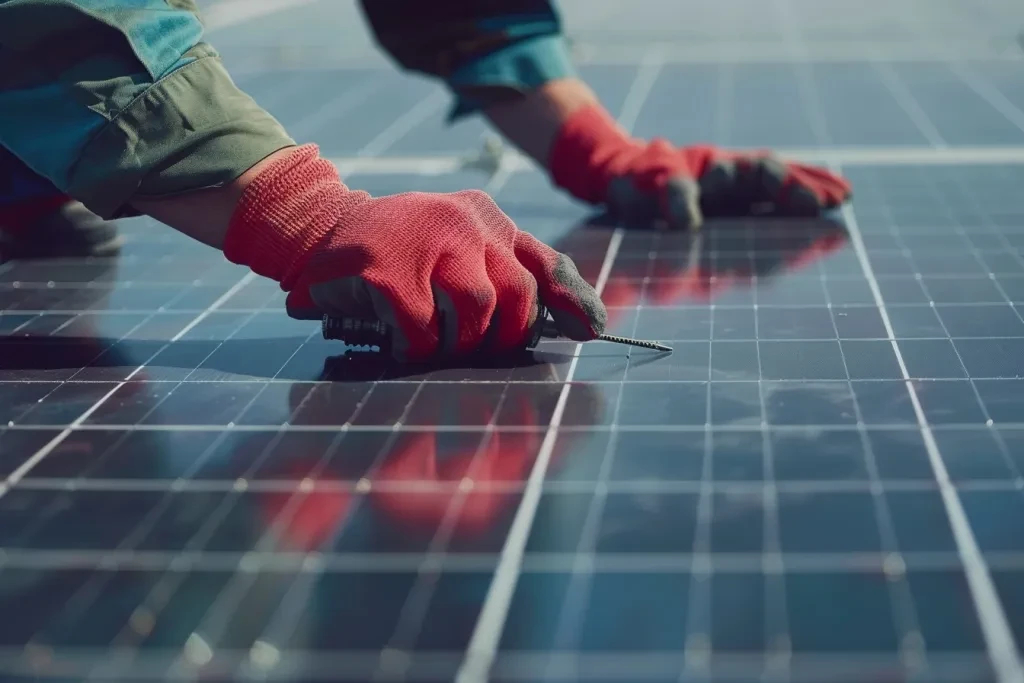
(105, 100)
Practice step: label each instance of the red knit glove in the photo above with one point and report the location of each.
(448, 273)
(596, 161)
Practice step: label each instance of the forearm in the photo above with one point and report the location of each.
(488, 54)
(507, 59)
(204, 214)
(532, 122)
(130, 126)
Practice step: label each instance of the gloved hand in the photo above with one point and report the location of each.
(640, 182)
(448, 273)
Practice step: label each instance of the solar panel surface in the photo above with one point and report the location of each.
(823, 482)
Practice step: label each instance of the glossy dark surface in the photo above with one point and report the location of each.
(202, 484)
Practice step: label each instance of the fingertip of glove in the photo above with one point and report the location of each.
(578, 330)
(681, 204)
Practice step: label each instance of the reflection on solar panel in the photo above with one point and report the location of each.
(822, 483)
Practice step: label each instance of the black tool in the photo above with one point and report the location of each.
(364, 333)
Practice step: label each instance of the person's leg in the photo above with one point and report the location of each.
(39, 221)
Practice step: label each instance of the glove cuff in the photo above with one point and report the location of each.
(284, 212)
(580, 157)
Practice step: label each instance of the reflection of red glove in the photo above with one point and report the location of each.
(440, 269)
(596, 161)
(305, 520)
(696, 277)
(507, 457)
(819, 249)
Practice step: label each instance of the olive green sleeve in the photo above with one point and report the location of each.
(111, 101)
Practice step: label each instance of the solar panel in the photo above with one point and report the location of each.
(822, 483)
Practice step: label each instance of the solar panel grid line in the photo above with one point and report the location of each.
(999, 640)
(724, 103)
(1004, 451)
(698, 646)
(84, 598)
(156, 405)
(838, 277)
(506, 166)
(473, 429)
(216, 619)
(723, 52)
(656, 665)
(20, 472)
(805, 79)
(913, 652)
(72, 379)
(575, 601)
(1007, 247)
(384, 140)
(401, 127)
(482, 648)
(778, 636)
(394, 656)
(175, 564)
(246, 279)
(238, 485)
(997, 635)
(652, 667)
(897, 226)
(27, 322)
(264, 656)
(989, 93)
(227, 14)
(647, 73)
(175, 571)
(1016, 255)
(683, 340)
(180, 564)
(331, 111)
(951, 155)
(387, 137)
(896, 85)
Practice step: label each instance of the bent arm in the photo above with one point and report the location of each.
(126, 109)
(505, 58)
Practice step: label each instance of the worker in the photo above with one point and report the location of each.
(118, 108)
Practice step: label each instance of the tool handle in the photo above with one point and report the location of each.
(369, 333)
(358, 333)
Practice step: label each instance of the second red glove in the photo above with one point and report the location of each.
(449, 273)
(595, 160)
